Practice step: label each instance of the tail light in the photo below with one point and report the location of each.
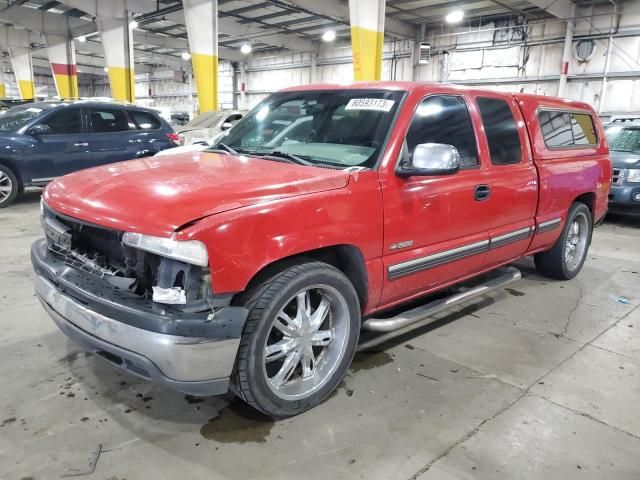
(174, 137)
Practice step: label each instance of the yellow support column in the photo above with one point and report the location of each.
(367, 37)
(201, 19)
(62, 56)
(23, 71)
(3, 88)
(118, 53)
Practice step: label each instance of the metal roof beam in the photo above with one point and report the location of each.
(241, 10)
(441, 9)
(231, 26)
(48, 5)
(40, 20)
(558, 8)
(336, 10)
(225, 25)
(268, 16)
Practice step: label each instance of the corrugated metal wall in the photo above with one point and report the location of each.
(493, 56)
(45, 86)
(159, 89)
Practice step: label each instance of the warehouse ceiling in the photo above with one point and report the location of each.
(161, 35)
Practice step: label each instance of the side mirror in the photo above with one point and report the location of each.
(39, 129)
(431, 159)
(226, 126)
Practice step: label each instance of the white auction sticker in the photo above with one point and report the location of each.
(377, 104)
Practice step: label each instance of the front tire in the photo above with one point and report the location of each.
(9, 186)
(566, 258)
(299, 339)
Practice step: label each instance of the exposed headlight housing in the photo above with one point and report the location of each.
(633, 175)
(188, 251)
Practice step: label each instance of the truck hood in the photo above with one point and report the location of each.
(624, 159)
(157, 195)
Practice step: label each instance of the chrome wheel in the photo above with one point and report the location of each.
(6, 186)
(577, 239)
(306, 342)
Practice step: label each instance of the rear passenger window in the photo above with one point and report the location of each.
(501, 131)
(556, 128)
(107, 121)
(444, 119)
(144, 120)
(567, 129)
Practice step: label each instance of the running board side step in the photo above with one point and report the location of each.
(509, 275)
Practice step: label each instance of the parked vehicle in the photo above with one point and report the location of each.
(255, 267)
(207, 125)
(295, 130)
(42, 141)
(180, 119)
(624, 143)
(7, 103)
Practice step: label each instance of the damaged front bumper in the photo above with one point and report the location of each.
(193, 353)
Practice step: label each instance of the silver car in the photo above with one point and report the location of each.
(208, 125)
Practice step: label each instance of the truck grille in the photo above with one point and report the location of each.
(99, 252)
(618, 176)
(82, 262)
(96, 250)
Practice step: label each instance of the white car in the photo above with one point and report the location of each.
(207, 125)
(196, 147)
(300, 128)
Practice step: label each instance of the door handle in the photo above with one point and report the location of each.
(81, 144)
(481, 192)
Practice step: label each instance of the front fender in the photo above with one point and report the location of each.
(242, 242)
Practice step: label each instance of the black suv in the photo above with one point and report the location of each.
(624, 145)
(41, 141)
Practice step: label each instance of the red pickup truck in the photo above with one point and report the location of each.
(255, 265)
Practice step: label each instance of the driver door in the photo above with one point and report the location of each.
(436, 228)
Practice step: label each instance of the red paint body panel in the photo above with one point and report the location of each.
(253, 212)
(243, 241)
(157, 195)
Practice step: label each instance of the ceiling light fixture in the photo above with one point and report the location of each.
(245, 48)
(133, 24)
(455, 16)
(82, 39)
(186, 55)
(329, 36)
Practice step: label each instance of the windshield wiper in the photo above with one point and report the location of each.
(289, 156)
(222, 147)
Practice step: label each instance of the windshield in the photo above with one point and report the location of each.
(624, 139)
(17, 117)
(344, 128)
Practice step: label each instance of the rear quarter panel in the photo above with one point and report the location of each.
(565, 173)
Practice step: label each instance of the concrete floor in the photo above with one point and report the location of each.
(540, 381)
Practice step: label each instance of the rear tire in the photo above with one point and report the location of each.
(299, 339)
(9, 186)
(567, 256)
